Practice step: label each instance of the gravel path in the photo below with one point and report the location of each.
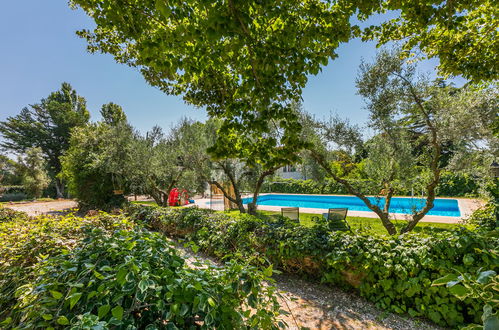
(317, 306)
(38, 208)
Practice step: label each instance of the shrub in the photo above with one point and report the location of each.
(457, 184)
(25, 241)
(484, 217)
(104, 272)
(396, 272)
(136, 279)
(13, 197)
(484, 286)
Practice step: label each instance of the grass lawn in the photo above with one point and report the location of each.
(368, 225)
(145, 203)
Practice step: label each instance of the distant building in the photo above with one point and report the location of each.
(290, 172)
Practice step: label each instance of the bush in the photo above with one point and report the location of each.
(457, 185)
(484, 217)
(103, 272)
(13, 197)
(395, 273)
(136, 279)
(84, 166)
(25, 242)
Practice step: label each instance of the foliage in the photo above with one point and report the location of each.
(34, 175)
(25, 242)
(163, 161)
(413, 120)
(9, 172)
(103, 272)
(484, 217)
(457, 185)
(96, 163)
(396, 272)
(13, 196)
(482, 286)
(135, 278)
(461, 34)
(113, 114)
(47, 125)
(245, 61)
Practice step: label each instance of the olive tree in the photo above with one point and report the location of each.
(161, 161)
(400, 103)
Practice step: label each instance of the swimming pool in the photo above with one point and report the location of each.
(404, 205)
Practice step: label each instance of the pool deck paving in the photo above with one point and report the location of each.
(466, 206)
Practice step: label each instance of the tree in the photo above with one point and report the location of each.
(245, 62)
(462, 34)
(34, 174)
(47, 125)
(96, 164)
(162, 162)
(113, 114)
(396, 98)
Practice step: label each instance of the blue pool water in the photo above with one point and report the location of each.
(445, 207)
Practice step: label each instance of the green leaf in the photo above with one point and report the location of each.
(444, 280)
(211, 302)
(483, 277)
(459, 291)
(47, 317)
(73, 299)
(56, 294)
(103, 310)
(117, 312)
(268, 271)
(63, 320)
(143, 285)
(120, 277)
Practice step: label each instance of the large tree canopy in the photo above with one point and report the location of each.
(244, 61)
(247, 61)
(47, 125)
(462, 34)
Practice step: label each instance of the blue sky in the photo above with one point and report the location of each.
(40, 50)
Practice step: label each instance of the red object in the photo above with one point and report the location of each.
(178, 198)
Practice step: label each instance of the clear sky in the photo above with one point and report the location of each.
(39, 50)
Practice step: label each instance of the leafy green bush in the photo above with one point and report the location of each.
(136, 279)
(484, 217)
(7, 214)
(13, 197)
(85, 167)
(25, 242)
(395, 272)
(105, 272)
(451, 184)
(483, 286)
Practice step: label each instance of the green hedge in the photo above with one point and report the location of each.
(455, 185)
(105, 272)
(396, 273)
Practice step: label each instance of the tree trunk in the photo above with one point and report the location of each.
(238, 200)
(384, 216)
(252, 207)
(59, 188)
